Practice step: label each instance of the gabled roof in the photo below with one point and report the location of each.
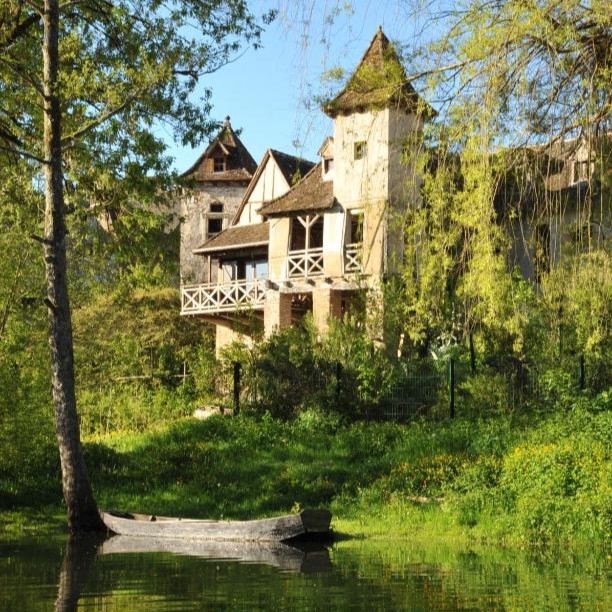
(236, 237)
(379, 81)
(312, 193)
(240, 164)
(292, 168)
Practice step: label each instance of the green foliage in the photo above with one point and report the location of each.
(427, 476)
(513, 478)
(297, 370)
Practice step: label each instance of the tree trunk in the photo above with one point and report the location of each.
(82, 510)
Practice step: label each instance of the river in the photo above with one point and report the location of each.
(143, 575)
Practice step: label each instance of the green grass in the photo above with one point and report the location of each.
(507, 479)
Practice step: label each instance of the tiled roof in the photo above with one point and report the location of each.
(312, 193)
(379, 81)
(240, 166)
(236, 237)
(292, 167)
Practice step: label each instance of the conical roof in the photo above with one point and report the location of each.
(379, 81)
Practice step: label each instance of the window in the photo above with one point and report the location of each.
(214, 223)
(261, 268)
(356, 228)
(316, 234)
(581, 171)
(298, 236)
(219, 164)
(306, 233)
(214, 226)
(359, 151)
(328, 164)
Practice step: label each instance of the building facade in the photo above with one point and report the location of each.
(307, 237)
(301, 237)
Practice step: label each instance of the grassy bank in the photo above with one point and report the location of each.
(512, 479)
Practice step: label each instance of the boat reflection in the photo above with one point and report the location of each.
(299, 557)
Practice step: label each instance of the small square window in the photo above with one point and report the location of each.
(219, 164)
(359, 149)
(328, 164)
(216, 207)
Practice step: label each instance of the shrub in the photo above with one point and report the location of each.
(428, 476)
(558, 489)
(295, 371)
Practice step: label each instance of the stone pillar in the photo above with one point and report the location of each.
(326, 303)
(224, 336)
(277, 312)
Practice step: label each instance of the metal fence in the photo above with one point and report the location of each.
(419, 388)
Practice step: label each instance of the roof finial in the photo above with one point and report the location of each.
(227, 121)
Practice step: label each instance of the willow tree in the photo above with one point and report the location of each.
(87, 79)
(518, 85)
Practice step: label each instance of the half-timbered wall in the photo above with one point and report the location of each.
(271, 184)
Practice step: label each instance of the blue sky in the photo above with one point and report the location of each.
(263, 91)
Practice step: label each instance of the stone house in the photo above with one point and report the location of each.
(306, 237)
(298, 237)
(556, 206)
(214, 190)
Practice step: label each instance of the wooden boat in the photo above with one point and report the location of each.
(307, 524)
(305, 557)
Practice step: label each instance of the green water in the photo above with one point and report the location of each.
(137, 575)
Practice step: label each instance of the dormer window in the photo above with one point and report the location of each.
(359, 150)
(219, 164)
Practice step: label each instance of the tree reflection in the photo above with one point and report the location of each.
(79, 557)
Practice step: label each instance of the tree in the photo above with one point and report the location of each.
(518, 86)
(109, 72)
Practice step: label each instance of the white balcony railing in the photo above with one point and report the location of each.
(223, 297)
(303, 264)
(352, 258)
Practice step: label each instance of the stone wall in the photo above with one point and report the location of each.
(194, 205)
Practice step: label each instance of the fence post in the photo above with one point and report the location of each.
(451, 387)
(338, 381)
(582, 381)
(237, 368)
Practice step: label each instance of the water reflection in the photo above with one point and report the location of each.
(79, 558)
(298, 557)
(137, 574)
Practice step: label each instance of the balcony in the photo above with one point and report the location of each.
(223, 297)
(352, 258)
(305, 264)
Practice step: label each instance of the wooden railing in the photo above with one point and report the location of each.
(223, 297)
(303, 264)
(352, 257)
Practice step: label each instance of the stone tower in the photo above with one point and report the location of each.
(216, 185)
(378, 120)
